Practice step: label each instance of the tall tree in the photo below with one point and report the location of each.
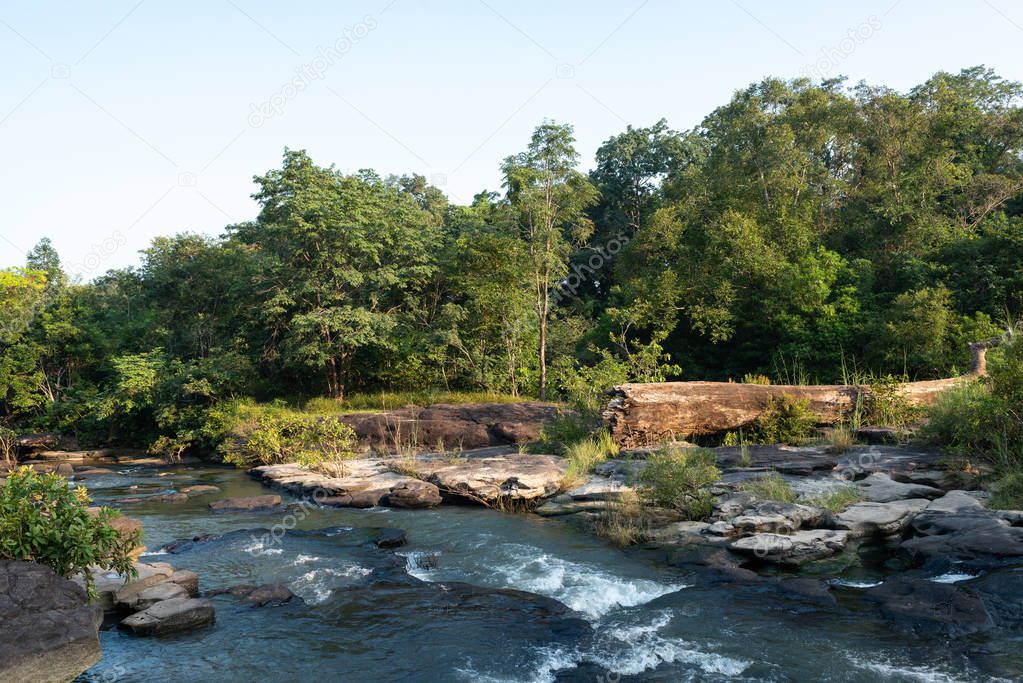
(550, 198)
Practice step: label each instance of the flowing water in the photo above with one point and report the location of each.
(438, 608)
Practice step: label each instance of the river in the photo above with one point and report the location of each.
(366, 615)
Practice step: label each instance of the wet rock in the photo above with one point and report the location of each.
(145, 598)
(563, 505)
(171, 616)
(271, 594)
(188, 580)
(87, 472)
(1002, 594)
(881, 488)
(721, 528)
(122, 591)
(199, 489)
(50, 631)
(390, 538)
(357, 499)
(182, 544)
(794, 549)
(877, 519)
(928, 608)
(247, 503)
(170, 498)
(414, 494)
(679, 533)
(774, 517)
(731, 504)
(957, 526)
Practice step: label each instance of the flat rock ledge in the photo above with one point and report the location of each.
(425, 481)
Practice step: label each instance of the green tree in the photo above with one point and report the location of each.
(550, 198)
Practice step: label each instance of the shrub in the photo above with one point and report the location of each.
(887, 405)
(771, 487)
(837, 500)
(44, 520)
(326, 444)
(278, 436)
(7, 447)
(569, 427)
(787, 420)
(677, 478)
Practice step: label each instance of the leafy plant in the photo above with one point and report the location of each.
(677, 478)
(277, 437)
(787, 420)
(326, 444)
(887, 405)
(771, 487)
(7, 447)
(44, 520)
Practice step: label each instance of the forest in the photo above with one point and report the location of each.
(805, 232)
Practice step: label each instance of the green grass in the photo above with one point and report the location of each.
(771, 487)
(837, 500)
(840, 439)
(390, 400)
(677, 479)
(584, 455)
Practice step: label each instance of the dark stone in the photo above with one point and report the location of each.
(930, 609)
(414, 494)
(171, 616)
(50, 632)
(269, 501)
(272, 594)
(356, 499)
(390, 538)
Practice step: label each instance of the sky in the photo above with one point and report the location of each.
(125, 120)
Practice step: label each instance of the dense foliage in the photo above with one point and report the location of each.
(44, 520)
(801, 231)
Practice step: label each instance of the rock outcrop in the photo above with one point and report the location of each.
(246, 504)
(171, 616)
(50, 631)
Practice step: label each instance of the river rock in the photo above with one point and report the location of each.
(121, 591)
(414, 494)
(877, 519)
(774, 517)
(881, 488)
(170, 498)
(390, 538)
(957, 526)
(188, 580)
(199, 489)
(246, 503)
(356, 499)
(272, 594)
(171, 616)
(564, 504)
(794, 549)
(50, 631)
(930, 609)
(148, 597)
(494, 480)
(601, 489)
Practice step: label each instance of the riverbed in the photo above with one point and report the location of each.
(444, 607)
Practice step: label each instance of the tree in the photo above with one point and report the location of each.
(338, 256)
(550, 199)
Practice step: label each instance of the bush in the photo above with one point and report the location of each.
(279, 436)
(887, 405)
(984, 417)
(569, 427)
(771, 487)
(787, 420)
(677, 478)
(44, 520)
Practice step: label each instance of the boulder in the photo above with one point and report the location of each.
(930, 609)
(414, 494)
(50, 631)
(958, 527)
(390, 538)
(272, 594)
(881, 488)
(114, 589)
(601, 489)
(171, 616)
(248, 503)
(147, 597)
(774, 517)
(188, 580)
(357, 499)
(170, 498)
(495, 480)
(877, 519)
(794, 549)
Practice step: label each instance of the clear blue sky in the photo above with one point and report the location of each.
(124, 120)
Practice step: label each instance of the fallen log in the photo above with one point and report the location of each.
(640, 415)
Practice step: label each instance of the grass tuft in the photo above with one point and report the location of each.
(771, 487)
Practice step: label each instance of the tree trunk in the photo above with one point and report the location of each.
(649, 414)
